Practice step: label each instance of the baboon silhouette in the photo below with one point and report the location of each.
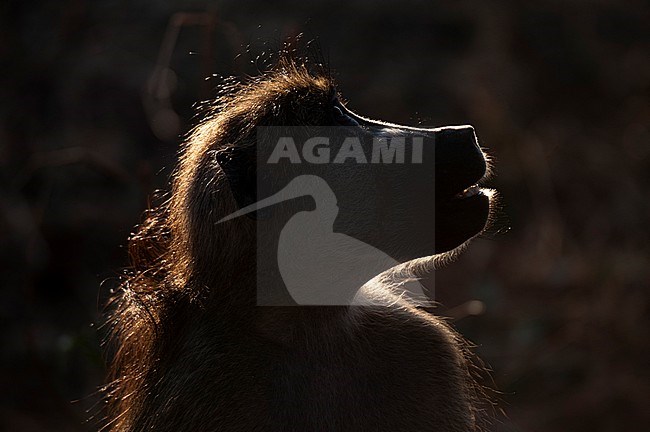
(193, 351)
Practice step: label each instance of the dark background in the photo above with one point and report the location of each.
(558, 290)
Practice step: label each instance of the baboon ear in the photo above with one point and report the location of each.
(239, 164)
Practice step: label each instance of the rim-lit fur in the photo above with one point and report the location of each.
(189, 300)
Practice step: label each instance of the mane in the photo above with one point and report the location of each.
(163, 279)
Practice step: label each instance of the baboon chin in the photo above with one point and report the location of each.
(278, 174)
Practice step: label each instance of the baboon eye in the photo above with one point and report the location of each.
(342, 118)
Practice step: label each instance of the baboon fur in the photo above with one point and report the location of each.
(191, 351)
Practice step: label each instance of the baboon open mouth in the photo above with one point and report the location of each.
(475, 191)
(462, 215)
(469, 192)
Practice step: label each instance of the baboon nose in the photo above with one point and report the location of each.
(458, 155)
(458, 141)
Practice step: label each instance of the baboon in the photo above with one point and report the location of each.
(191, 348)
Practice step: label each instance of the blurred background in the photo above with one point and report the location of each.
(95, 95)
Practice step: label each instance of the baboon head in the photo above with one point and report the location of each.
(409, 192)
